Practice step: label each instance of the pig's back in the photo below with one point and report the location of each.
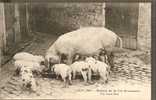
(85, 40)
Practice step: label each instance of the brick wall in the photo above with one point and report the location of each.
(59, 18)
(144, 27)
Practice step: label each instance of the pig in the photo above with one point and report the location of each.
(28, 80)
(98, 67)
(33, 66)
(81, 67)
(103, 57)
(63, 70)
(86, 41)
(29, 57)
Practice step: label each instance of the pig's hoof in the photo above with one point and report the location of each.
(90, 82)
(85, 83)
(37, 94)
(102, 82)
(106, 81)
(70, 83)
(64, 86)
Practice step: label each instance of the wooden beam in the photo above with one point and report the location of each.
(17, 24)
(24, 1)
(2, 31)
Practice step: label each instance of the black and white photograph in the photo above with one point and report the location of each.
(75, 50)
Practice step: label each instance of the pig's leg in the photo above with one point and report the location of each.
(60, 59)
(90, 76)
(17, 71)
(34, 86)
(70, 83)
(57, 76)
(69, 59)
(74, 74)
(84, 74)
(107, 77)
(102, 77)
(47, 64)
(65, 83)
(110, 59)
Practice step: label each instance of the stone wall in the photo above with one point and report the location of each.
(57, 18)
(144, 27)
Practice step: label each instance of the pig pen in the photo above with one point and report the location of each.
(130, 76)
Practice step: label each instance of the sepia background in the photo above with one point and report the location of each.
(33, 27)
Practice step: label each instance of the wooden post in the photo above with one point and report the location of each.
(27, 18)
(23, 20)
(2, 32)
(17, 24)
(103, 13)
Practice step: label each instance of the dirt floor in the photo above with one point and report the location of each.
(131, 77)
